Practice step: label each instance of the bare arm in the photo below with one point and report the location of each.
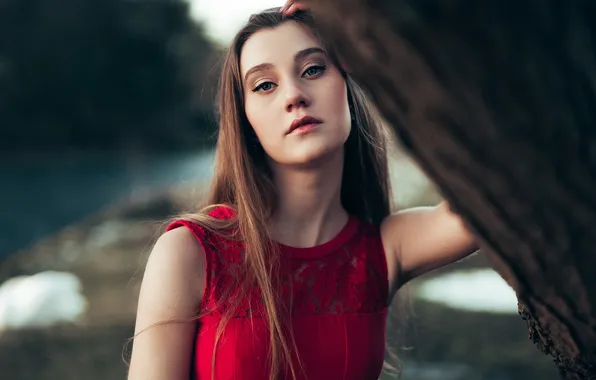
(421, 239)
(171, 289)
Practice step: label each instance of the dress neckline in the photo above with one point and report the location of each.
(343, 236)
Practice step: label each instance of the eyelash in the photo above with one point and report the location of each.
(320, 68)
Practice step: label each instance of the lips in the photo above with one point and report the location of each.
(306, 120)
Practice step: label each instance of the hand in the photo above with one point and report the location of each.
(292, 6)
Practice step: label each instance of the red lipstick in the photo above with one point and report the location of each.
(304, 123)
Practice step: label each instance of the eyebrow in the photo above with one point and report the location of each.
(298, 56)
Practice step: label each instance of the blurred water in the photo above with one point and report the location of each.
(414, 370)
(41, 300)
(474, 290)
(43, 192)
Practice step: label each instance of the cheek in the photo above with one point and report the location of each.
(263, 124)
(338, 101)
(252, 115)
(258, 120)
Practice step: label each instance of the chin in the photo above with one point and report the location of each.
(314, 155)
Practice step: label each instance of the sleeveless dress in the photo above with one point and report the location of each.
(339, 294)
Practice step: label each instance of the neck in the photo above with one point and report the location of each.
(308, 210)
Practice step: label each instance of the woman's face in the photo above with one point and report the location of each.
(290, 82)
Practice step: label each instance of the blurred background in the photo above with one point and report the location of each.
(106, 129)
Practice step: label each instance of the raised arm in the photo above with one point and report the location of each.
(421, 239)
(171, 289)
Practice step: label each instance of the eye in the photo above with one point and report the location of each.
(265, 86)
(314, 70)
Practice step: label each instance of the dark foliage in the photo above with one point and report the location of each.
(103, 73)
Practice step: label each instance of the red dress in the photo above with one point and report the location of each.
(339, 294)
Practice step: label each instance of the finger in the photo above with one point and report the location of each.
(300, 6)
(291, 10)
(295, 7)
(286, 5)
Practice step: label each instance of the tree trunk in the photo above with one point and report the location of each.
(495, 99)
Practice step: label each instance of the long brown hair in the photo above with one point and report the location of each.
(243, 181)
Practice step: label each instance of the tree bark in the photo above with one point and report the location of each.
(495, 100)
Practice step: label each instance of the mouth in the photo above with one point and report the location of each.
(304, 123)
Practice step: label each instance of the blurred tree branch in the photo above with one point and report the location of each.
(495, 100)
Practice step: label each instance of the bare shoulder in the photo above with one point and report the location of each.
(396, 230)
(389, 228)
(403, 224)
(422, 239)
(174, 276)
(177, 249)
(171, 290)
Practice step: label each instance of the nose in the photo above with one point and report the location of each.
(296, 97)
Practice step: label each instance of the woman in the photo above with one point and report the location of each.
(292, 267)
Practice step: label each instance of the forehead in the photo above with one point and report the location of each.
(276, 45)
